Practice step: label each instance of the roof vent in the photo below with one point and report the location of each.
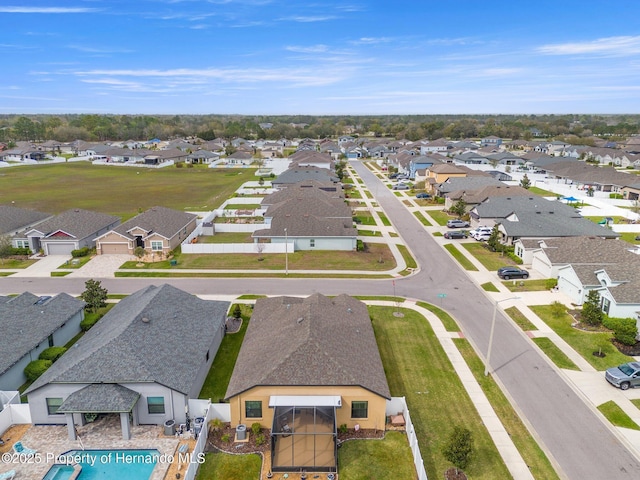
(300, 320)
(349, 310)
(145, 320)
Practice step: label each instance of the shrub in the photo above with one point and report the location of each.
(551, 283)
(179, 165)
(36, 368)
(260, 439)
(625, 330)
(89, 321)
(343, 428)
(226, 438)
(80, 252)
(557, 309)
(52, 353)
(617, 196)
(255, 428)
(359, 246)
(20, 251)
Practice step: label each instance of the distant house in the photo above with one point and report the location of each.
(202, 157)
(70, 230)
(31, 324)
(491, 141)
(239, 158)
(158, 230)
(323, 370)
(292, 176)
(142, 362)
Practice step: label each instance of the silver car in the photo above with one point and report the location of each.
(624, 376)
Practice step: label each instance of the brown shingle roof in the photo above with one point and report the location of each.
(317, 341)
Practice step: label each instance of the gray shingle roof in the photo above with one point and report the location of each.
(78, 223)
(122, 347)
(160, 220)
(454, 184)
(296, 175)
(100, 398)
(316, 341)
(25, 322)
(13, 219)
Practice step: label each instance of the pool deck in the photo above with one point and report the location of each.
(104, 434)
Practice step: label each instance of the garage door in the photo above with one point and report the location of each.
(114, 248)
(59, 248)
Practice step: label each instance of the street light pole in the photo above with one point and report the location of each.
(286, 253)
(493, 328)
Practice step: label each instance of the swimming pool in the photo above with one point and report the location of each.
(107, 465)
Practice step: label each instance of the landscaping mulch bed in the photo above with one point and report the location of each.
(454, 474)
(630, 350)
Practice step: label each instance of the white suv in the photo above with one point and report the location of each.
(480, 231)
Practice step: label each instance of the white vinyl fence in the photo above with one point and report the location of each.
(12, 412)
(399, 404)
(213, 410)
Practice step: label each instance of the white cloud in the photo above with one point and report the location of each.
(311, 49)
(372, 40)
(610, 46)
(309, 18)
(46, 10)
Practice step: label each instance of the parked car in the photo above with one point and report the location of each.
(457, 224)
(512, 272)
(624, 376)
(482, 236)
(423, 195)
(479, 229)
(401, 186)
(393, 175)
(403, 176)
(455, 234)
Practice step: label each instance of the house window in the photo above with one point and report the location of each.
(155, 405)
(312, 242)
(606, 303)
(53, 404)
(156, 246)
(253, 409)
(359, 409)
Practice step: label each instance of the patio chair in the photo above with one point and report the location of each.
(20, 449)
(8, 475)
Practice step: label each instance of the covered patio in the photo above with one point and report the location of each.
(86, 404)
(304, 433)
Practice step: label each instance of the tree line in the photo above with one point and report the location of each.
(93, 127)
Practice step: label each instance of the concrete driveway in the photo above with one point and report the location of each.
(101, 266)
(43, 267)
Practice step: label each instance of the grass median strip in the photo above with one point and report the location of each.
(556, 355)
(489, 287)
(532, 454)
(459, 256)
(419, 369)
(447, 320)
(521, 320)
(617, 416)
(408, 258)
(440, 217)
(422, 219)
(492, 261)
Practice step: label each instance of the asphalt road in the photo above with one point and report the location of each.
(581, 446)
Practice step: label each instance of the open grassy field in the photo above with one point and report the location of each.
(121, 191)
(491, 260)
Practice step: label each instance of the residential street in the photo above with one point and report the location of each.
(580, 444)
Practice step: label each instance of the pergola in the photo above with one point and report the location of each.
(101, 398)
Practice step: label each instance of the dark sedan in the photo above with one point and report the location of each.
(512, 272)
(456, 234)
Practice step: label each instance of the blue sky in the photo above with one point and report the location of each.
(321, 57)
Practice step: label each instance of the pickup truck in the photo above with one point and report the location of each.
(624, 376)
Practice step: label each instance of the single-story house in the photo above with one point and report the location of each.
(14, 220)
(142, 361)
(158, 230)
(70, 230)
(323, 370)
(292, 176)
(31, 324)
(239, 158)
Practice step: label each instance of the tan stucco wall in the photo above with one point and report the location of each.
(376, 412)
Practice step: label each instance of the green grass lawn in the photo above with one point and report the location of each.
(217, 381)
(16, 263)
(585, 343)
(364, 218)
(242, 206)
(459, 256)
(532, 454)
(492, 261)
(59, 187)
(599, 218)
(418, 368)
(521, 320)
(408, 258)
(440, 217)
(76, 263)
(422, 219)
(556, 355)
(369, 233)
(369, 459)
(630, 237)
(617, 416)
(447, 320)
(222, 466)
(489, 287)
(527, 285)
(383, 218)
(636, 402)
(377, 257)
(542, 192)
(226, 237)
